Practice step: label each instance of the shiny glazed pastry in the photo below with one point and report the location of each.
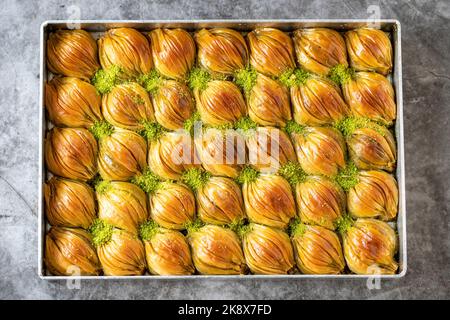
(173, 52)
(268, 250)
(369, 50)
(72, 53)
(71, 153)
(69, 203)
(70, 252)
(71, 102)
(216, 250)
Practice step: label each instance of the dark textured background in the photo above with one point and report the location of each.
(426, 62)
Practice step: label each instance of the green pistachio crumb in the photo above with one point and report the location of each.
(147, 181)
(291, 78)
(292, 172)
(247, 175)
(152, 130)
(105, 79)
(245, 124)
(101, 129)
(246, 79)
(349, 124)
(296, 228)
(189, 124)
(194, 226)
(340, 74)
(148, 229)
(347, 178)
(198, 79)
(102, 186)
(241, 228)
(101, 232)
(195, 178)
(137, 99)
(294, 127)
(151, 81)
(344, 223)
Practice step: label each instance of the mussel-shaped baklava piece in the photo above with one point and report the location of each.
(71, 153)
(269, 148)
(121, 253)
(317, 250)
(127, 49)
(173, 52)
(370, 95)
(372, 148)
(370, 246)
(220, 103)
(72, 53)
(271, 51)
(72, 102)
(319, 49)
(167, 251)
(320, 150)
(221, 51)
(268, 102)
(268, 200)
(128, 106)
(317, 102)
(216, 250)
(122, 155)
(220, 201)
(69, 252)
(221, 152)
(369, 50)
(320, 201)
(122, 204)
(268, 250)
(375, 195)
(172, 205)
(172, 154)
(69, 203)
(173, 104)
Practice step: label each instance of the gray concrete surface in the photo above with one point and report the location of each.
(426, 61)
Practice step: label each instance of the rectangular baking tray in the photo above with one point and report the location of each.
(390, 26)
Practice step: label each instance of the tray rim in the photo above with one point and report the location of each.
(399, 132)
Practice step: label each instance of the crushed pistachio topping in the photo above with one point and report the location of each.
(349, 124)
(105, 79)
(190, 123)
(194, 226)
(195, 178)
(296, 77)
(292, 172)
(246, 79)
(147, 181)
(245, 124)
(102, 186)
(151, 81)
(344, 223)
(347, 178)
(294, 127)
(101, 232)
(152, 130)
(198, 79)
(137, 99)
(148, 229)
(101, 129)
(241, 228)
(297, 228)
(247, 175)
(340, 74)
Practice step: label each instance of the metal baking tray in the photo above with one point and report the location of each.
(390, 26)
